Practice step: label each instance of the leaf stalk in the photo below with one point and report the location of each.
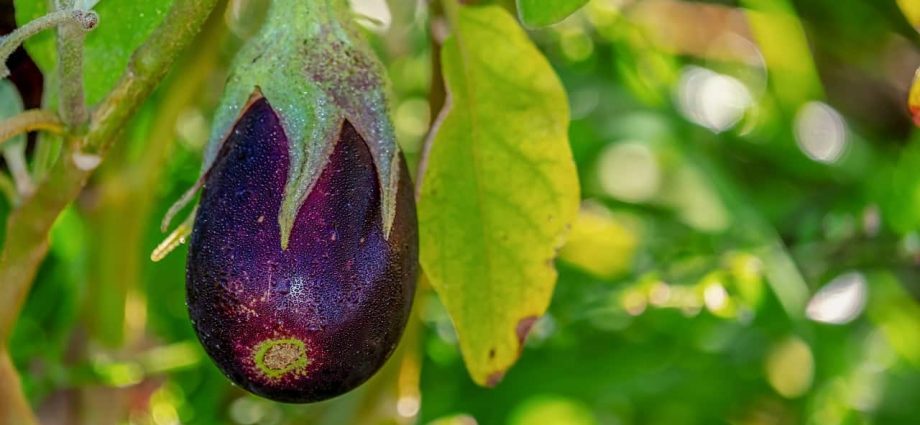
(32, 120)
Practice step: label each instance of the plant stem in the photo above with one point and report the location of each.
(9, 43)
(8, 189)
(437, 94)
(16, 410)
(15, 156)
(451, 10)
(123, 208)
(31, 120)
(28, 226)
(70, 36)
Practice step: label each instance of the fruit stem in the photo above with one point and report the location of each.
(307, 16)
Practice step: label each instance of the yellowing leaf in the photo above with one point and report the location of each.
(911, 9)
(500, 188)
(538, 13)
(914, 101)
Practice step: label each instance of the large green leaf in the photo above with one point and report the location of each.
(539, 13)
(123, 26)
(500, 188)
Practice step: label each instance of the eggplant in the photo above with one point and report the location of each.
(303, 256)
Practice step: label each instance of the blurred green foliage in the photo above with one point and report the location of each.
(747, 251)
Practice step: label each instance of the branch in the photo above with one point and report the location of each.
(85, 20)
(32, 120)
(437, 95)
(27, 226)
(16, 410)
(70, 37)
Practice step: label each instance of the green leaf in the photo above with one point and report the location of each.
(123, 26)
(540, 13)
(500, 188)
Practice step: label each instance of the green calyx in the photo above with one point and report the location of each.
(315, 70)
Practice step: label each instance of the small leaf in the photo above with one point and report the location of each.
(540, 13)
(499, 191)
(123, 26)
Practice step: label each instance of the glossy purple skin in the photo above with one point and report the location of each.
(341, 288)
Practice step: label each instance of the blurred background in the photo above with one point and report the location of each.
(747, 250)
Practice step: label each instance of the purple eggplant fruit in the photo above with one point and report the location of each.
(303, 255)
(317, 319)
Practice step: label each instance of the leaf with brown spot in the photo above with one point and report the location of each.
(523, 329)
(500, 189)
(495, 378)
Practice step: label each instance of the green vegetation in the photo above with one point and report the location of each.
(741, 245)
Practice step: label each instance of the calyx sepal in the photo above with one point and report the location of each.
(312, 66)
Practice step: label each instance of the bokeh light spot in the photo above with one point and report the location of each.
(375, 13)
(820, 132)
(790, 367)
(840, 301)
(629, 171)
(712, 100)
(551, 409)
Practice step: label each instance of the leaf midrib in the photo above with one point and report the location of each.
(468, 91)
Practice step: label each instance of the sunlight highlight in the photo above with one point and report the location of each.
(408, 406)
(715, 297)
(712, 100)
(820, 132)
(840, 301)
(373, 14)
(629, 171)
